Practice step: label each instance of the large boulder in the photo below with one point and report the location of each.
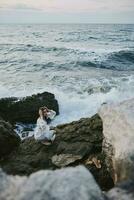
(9, 140)
(76, 143)
(118, 130)
(25, 110)
(123, 191)
(68, 184)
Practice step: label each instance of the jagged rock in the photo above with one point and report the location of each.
(123, 191)
(118, 130)
(8, 138)
(63, 160)
(68, 184)
(81, 139)
(26, 109)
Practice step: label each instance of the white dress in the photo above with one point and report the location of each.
(42, 130)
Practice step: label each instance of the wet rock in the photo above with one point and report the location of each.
(25, 110)
(75, 143)
(9, 140)
(118, 130)
(68, 184)
(123, 191)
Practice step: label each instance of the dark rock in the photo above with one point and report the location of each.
(102, 176)
(8, 138)
(77, 141)
(25, 110)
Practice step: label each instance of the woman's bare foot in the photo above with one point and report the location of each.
(46, 143)
(53, 138)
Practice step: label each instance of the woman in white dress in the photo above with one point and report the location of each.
(42, 131)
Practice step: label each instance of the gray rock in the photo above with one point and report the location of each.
(124, 191)
(63, 160)
(68, 184)
(118, 130)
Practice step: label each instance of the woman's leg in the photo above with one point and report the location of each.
(50, 135)
(43, 140)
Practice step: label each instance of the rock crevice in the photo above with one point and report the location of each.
(118, 130)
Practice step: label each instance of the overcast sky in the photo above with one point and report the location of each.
(66, 11)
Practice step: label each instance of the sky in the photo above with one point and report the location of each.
(66, 11)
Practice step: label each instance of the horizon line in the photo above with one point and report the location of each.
(31, 23)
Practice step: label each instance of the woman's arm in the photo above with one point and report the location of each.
(51, 114)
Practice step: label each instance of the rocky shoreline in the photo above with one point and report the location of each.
(76, 144)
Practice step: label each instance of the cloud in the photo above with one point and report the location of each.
(23, 7)
(68, 5)
(70, 11)
(20, 7)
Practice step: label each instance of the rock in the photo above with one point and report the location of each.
(63, 160)
(8, 138)
(123, 191)
(68, 184)
(25, 110)
(78, 141)
(118, 130)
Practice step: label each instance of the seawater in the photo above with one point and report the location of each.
(84, 65)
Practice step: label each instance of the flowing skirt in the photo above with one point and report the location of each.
(48, 136)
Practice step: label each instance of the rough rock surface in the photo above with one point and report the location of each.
(8, 138)
(123, 191)
(68, 184)
(118, 130)
(26, 109)
(81, 139)
(63, 160)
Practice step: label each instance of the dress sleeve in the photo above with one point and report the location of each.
(41, 124)
(51, 114)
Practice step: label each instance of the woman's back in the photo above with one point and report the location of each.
(42, 131)
(41, 128)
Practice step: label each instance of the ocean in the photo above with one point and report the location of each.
(84, 65)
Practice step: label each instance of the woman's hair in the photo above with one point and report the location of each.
(45, 108)
(41, 108)
(41, 111)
